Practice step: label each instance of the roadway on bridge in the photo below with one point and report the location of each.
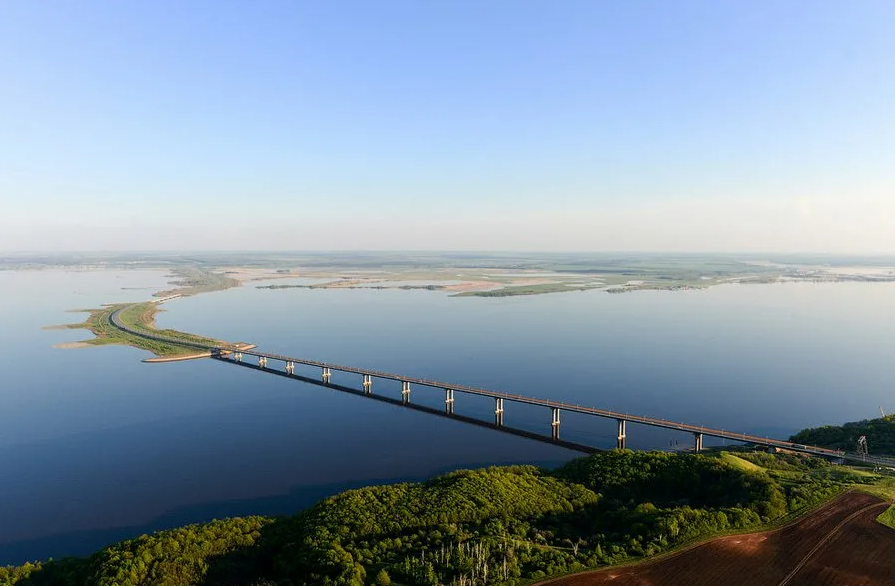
(605, 413)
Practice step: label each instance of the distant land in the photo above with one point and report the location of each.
(487, 274)
(461, 275)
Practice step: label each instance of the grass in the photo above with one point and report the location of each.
(884, 488)
(888, 517)
(141, 318)
(741, 464)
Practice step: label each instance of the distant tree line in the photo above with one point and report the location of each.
(880, 435)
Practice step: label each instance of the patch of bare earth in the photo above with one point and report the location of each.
(840, 544)
(474, 286)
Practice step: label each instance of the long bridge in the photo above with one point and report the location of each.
(237, 354)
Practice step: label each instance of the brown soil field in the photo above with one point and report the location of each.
(840, 544)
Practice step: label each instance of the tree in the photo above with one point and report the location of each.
(383, 579)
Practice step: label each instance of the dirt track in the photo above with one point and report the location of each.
(858, 552)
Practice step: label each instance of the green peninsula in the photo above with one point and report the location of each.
(133, 324)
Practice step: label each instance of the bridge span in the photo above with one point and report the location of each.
(555, 407)
(237, 353)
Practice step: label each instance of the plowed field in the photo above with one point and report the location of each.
(840, 544)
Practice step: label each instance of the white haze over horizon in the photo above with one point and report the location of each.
(804, 224)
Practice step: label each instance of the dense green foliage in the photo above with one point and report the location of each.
(806, 481)
(493, 526)
(880, 435)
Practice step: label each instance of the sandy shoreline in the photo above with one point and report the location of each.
(73, 345)
(178, 358)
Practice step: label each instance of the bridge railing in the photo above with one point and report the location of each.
(606, 413)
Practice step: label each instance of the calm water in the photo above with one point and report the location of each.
(96, 446)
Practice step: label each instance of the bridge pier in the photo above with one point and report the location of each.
(449, 401)
(262, 362)
(368, 384)
(555, 424)
(290, 367)
(697, 447)
(622, 433)
(498, 411)
(237, 357)
(326, 374)
(405, 392)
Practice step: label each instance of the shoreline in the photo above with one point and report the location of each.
(197, 356)
(73, 345)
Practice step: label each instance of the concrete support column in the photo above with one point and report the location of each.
(326, 374)
(555, 424)
(697, 447)
(290, 367)
(368, 384)
(622, 433)
(405, 391)
(449, 401)
(237, 356)
(262, 362)
(498, 411)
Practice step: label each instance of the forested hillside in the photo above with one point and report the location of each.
(482, 527)
(880, 435)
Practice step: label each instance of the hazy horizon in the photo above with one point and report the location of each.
(576, 126)
(214, 255)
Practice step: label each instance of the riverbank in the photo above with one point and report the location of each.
(196, 356)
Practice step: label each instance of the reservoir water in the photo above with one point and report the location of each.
(96, 446)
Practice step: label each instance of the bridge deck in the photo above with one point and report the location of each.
(606, 413)
(652, 421)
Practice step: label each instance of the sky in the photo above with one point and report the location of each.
(625, 125)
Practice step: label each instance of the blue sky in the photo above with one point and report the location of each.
(510, 125)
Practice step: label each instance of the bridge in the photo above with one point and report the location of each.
(237, 354)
